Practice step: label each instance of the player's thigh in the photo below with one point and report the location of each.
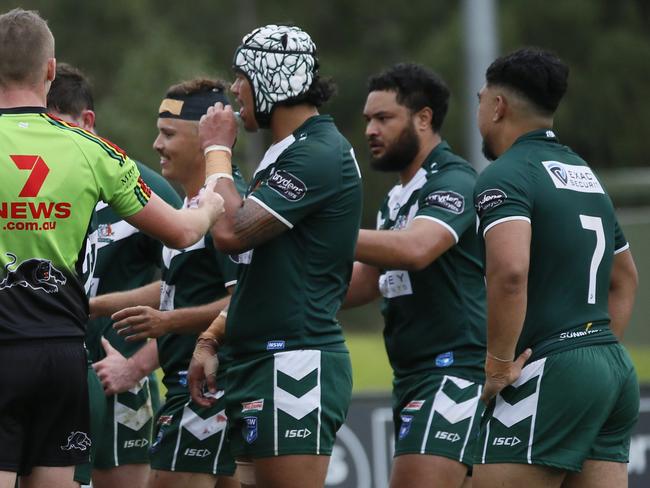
(129, 475)
(126, 428)
(299, 471)
(425, 471)
(227, 482)
(289, 403)
(437, 414)
(170, 479)
(516, 476)
(50, 477)
(598, 474)
(192, 439)
(7, 479)
(554, 413)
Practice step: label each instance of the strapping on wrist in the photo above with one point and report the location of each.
(217, 162)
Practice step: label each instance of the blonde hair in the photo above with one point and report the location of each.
(26, 43)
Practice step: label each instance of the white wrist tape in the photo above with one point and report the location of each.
(217, 147)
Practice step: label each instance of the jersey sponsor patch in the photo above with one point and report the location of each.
(243, 258)
(414, 405)
(489, 199)
(447, 200)
(395, 283)
(287, 185)
(571, 177)
(167, 293)
(275, 345)
(253, 406)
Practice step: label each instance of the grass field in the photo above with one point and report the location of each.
(371, 371)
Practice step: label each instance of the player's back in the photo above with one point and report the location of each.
(54, 174)
(574, 237)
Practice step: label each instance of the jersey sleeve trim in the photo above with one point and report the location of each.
(271, 211)
(621, 249)
(444, 224)
(228, 284)
(505, 219)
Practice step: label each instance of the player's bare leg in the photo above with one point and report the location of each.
(227, 482)
(170, 479)
(516, 476)
(598, 474)
(297, 471)
(7, 479)
(131, 475)
(52, 477)
(424, 471)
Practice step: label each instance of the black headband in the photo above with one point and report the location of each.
(190, 107)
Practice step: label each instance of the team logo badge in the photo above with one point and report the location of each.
(37, 274)
(275, 345)
(445, 359)
(405, 428)
(250, 429)
(77, 440)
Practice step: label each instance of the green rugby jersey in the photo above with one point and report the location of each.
(575, 235)
(196, 275)
(54, 175)
(435, 317)
(291, 287)
(126, 259)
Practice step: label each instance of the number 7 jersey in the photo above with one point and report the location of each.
(575, 235)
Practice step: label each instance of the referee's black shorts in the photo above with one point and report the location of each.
(44, 413)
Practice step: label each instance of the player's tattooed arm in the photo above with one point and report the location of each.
(245, 226)
(253, 225)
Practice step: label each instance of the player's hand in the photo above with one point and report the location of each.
(499, 374)
(139, 323)
(218, 126)
(212, 200)
(203, 370)
(114, 371)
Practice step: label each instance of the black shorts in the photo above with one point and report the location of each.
(44, 414)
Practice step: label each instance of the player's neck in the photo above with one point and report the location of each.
(427, 144)
(285, 120)
(21, 97)
(514, 131)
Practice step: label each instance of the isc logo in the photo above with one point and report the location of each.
(301, 433)
(135, 443)
(506, 441)
(197, 452)
(447, 436)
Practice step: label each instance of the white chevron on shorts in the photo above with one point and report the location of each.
(455, 412)
(203, 428)
(133, 419)
(508, 414)
(139, 385)
(297, 365)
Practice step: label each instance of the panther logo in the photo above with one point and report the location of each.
(77, 440)
(38, 274)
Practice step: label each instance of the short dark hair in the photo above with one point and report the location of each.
(319, 92)
(416, 87)
(71, 92)
(537, 75)
(196, 85)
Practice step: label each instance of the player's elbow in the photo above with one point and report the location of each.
(416, 257)
(510, 281)
(228, 243)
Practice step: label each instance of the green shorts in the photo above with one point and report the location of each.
(290, 402)
(565, 408)
(126, 428)
(97, 401)
(192, 439)
(437, 414)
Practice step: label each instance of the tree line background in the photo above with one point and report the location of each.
(134, 49)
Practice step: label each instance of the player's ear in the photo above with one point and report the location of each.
(88, 120)
(500, 108)
(423, 119)
(51, 69)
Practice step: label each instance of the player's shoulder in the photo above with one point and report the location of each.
(159, 185)
(90, 144)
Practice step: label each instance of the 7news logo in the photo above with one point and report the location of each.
(21, 212)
